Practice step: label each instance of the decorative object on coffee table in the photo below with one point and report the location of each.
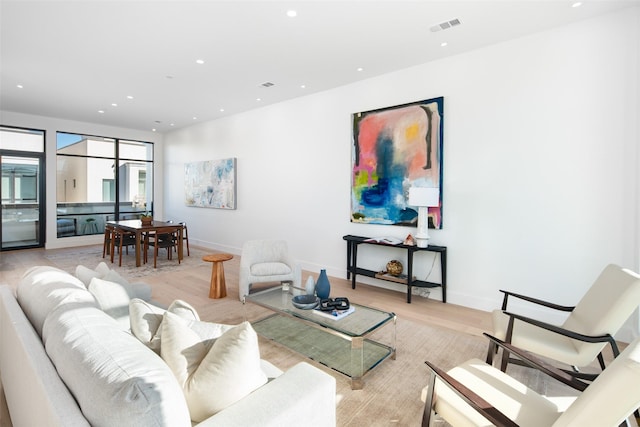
(310, 286)
(394, 267)
(323, 287)
(218, 287)
(305, 302)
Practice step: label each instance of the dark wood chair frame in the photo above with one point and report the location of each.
(481, 405)
(493, 348)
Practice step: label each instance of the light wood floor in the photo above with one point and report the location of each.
(422, 310)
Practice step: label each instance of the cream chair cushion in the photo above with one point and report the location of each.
(608, 401)
(514, 399)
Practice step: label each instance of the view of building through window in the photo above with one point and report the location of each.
(100, 179)
(21, 189)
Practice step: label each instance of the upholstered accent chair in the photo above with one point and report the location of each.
(589, 328)
(477, 394)
(265, 261)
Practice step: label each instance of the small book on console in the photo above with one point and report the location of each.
(385, 240)
(334, 314)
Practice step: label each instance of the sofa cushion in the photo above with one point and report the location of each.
(145, 320)
(115, 379)
(102, 271)
(44, 288)
(212, 378)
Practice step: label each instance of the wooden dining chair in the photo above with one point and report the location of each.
(121, 239)
(108, 236)
(161, 238)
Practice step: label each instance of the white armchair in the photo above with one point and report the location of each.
(266, 261)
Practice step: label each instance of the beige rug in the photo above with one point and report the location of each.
(90, 256)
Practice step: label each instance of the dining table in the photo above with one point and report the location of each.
(139, 228)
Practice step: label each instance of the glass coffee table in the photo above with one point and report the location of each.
(343, 344)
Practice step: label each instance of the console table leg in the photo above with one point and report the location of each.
(354, 262)
(443, 269)
(409, 274)
(349, 263)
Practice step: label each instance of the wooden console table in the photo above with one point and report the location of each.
(353, 270)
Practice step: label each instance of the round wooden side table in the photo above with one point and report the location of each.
(218, 287)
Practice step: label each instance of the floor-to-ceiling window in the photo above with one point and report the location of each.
(22, 188)
(100, 179)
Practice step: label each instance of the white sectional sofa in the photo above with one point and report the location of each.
(65, 362)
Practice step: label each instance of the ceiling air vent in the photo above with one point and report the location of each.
(445, 25)
(267, 84)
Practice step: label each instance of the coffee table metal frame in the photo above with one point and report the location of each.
(353, 330)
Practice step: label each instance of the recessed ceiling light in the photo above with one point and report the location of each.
(195, 118)
(577, 4)
(292, 13)
(222, 110)
(360, 69)
(303, 86)
(19, 86)
(114, 104)
(101, 111)
(153, 130)
(443, 44)
(200, 61)
(129, 97)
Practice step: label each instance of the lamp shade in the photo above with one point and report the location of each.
(424, 196)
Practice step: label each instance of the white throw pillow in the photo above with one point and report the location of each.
(85, 274)
(113, 276)
(113, 299)
(212, 378)
(145, 320)
(102, 268)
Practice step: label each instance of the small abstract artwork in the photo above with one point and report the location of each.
(211, 184)
(395, 148)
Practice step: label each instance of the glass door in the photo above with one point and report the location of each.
(22, 202)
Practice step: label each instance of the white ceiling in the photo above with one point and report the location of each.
(74, 58)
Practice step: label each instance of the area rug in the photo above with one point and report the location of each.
(90, 256)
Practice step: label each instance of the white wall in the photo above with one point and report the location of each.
(51, 126)
(540, 165)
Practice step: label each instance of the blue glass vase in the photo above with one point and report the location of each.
(323, 287)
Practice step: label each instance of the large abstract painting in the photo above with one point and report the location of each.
(211, 184)
(394, 149)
